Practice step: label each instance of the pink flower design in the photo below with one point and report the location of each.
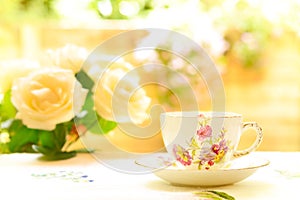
(217, 148)
(220, 150)
(182, 155)
(204, 132)
(210, 155)
(211, 163)
(206, 158)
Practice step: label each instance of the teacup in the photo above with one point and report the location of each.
(205, 140)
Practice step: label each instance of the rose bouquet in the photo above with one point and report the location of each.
(46, 105)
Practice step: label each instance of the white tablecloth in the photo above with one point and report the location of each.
(24, 176)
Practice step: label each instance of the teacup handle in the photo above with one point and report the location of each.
(254, 146)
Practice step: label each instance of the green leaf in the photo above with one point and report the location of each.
(85, 80)
(90, 117)
(102, 126)
(59, 156)
(51, 142)
(55, 140)
(50, 155)
(7, 109)
(223, 195)
(4, 148)
(214, 195)
(94, 123)
(21, 137)
(43, 150)
(106, 125)
(60, 133)
(47, 140)
(98, 125)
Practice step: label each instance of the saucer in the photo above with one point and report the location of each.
(239, 169)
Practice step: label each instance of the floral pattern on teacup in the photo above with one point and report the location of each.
(204, 148)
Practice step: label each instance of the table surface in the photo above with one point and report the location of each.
(25, 176)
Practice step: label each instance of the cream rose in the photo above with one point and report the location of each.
(125, 103)
(13, 69)
(45, 97)
(68, 57)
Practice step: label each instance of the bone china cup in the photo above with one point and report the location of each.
(205, 140)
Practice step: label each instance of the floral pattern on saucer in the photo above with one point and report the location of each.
(203, 149)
